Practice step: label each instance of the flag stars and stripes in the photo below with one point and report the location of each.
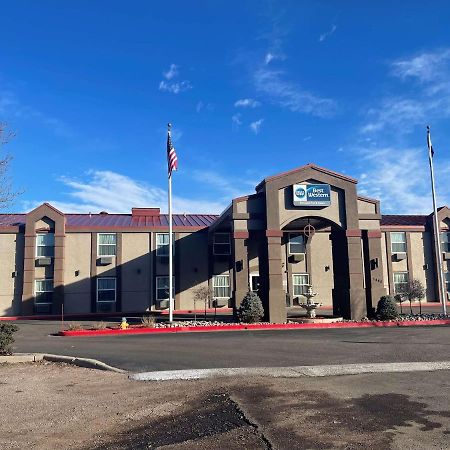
(172, 160)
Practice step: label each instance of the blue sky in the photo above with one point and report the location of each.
(252, 88)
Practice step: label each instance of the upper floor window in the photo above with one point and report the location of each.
(43, 291)
(300, 282)
(400, 282)
(222, 244)
(221, 286)
(296, 244)
(106, 244)
(45, 245)
(398, 242)
(162, 244)
(445, 241)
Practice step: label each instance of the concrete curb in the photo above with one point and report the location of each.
(80, 362)
(254, 327)
(291, 372)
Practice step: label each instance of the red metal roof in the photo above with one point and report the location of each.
(403, 220)
(120, 220)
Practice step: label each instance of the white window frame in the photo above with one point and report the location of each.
(294, 284)
(222, 243)
(46, 235)
(447, 281)
(445, 241)
(215, 278)
(401, 282)
(252, 275)
(160, 246)
(392, 233)
(158, 299)
(115, 289)
(291, 235)
(104, 245)
(36, 291)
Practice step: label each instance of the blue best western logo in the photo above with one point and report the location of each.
(312, 194)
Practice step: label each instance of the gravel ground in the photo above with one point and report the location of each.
(55, 406)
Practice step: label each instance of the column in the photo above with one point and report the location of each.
(241, 277)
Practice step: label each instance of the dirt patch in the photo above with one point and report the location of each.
(215, 416)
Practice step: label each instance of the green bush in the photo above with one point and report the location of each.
(386, 308)
(251, 309)
(7, 331)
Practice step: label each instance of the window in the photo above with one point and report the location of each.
(447, 281)
(106, 244)
(398, 242)
(162, 244)
(400, 282)
(300, 283)
(45, 245)
(162, 288)
(296, 244)
(445, 242)
(222, 244)
(106, 290)
(43, 292)
(221, 286)
(254, 282)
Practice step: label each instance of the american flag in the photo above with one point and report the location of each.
(172, 160)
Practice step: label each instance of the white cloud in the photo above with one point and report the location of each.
(399, 177)
(270, 56)
(116, 193)
(327, 34)
(172, 72)
(175, 87)
(246, 103)
(289, 95)
(256, 126)
(204, 107)
(236, 120)
(425, 67)
(307, 138)
(228, 187)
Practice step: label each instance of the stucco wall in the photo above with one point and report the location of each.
(365, 207)
(10, 287)
(322, 278)
(77, 289)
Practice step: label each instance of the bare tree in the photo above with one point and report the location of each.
(205, 295)
(7, 194)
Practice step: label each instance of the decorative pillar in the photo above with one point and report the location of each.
(375, 267)
(240, 270)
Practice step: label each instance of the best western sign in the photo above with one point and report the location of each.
(312, 195)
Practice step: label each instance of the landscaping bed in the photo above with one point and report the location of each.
(204, 326)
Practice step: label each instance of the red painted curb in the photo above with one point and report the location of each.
(272, 326)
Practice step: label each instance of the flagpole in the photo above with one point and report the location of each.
(437, 233)
(170, 242)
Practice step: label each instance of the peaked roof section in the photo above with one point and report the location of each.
(306, 166)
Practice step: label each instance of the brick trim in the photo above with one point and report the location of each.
(374, 234)
(240, 235)
(274, 233)
(353, 233)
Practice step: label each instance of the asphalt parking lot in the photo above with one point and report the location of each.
(242, 348)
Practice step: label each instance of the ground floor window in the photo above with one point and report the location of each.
(400, 282)
(43, 292)
(254, 282)
(106, 290)
(447, 281)
(297, 245)
(300, 282)
(445, 242)
(162, 288)
(221, 286)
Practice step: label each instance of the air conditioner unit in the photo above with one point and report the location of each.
(163, 304)
(42, 262)
(104, 261)
(106, 307)
(399, 256)
(297, 258)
